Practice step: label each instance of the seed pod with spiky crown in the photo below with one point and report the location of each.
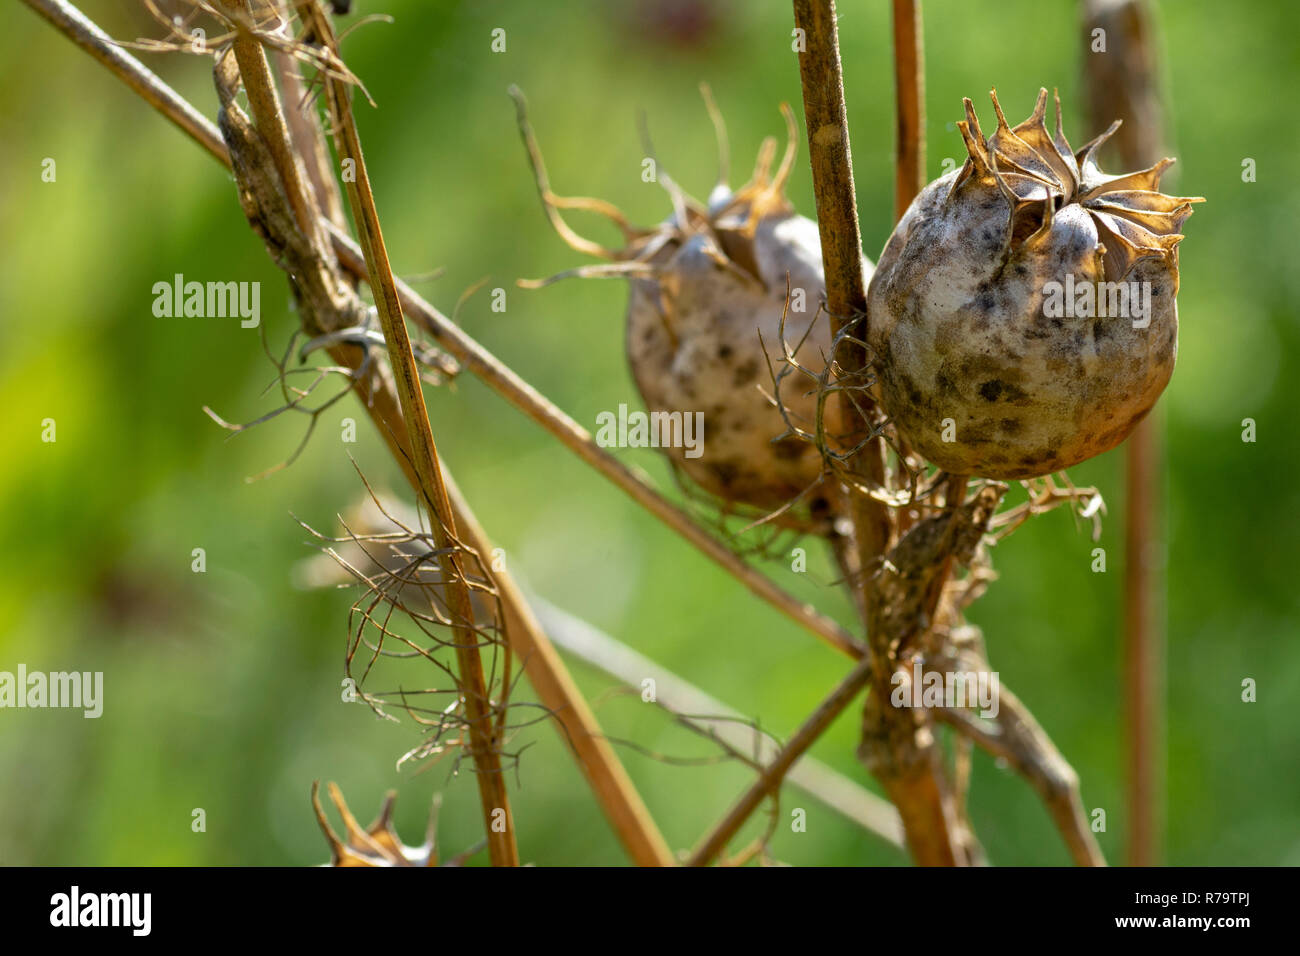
(706, 313)
(1023, 312)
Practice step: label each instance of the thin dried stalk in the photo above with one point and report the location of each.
(1018, 739)
(689, 703)
(85, 33)
(549, 677)
(909, 92)
(773, 775)
(1122, 83)
(483, 747)
(499, 377)
(264, 104)
(307, 136)
(841, 240)
(913, 775)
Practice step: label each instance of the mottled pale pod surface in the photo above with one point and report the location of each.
(998, 353)
(693, 341)
(708, 289)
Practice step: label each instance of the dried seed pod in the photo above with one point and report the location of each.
(1023, 312)
(704, 321)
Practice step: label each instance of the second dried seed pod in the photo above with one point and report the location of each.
(706, 313)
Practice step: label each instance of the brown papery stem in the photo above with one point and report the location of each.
(909, 96)
(307, 136)
(774, 773)
(484, 748)
(841, 239)
(605, 775)
(1122, 84)
(913, 775)
(716, 721)
(909, 132)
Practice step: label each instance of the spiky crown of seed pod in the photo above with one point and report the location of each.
(729, 220)
(379, 844)
(375, 845)
(1037, 172)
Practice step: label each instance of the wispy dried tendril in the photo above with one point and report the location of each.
(404, 613)
(436, 368)
(276, 28)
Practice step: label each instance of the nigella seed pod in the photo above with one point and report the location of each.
(704, 320)
(1023, 312)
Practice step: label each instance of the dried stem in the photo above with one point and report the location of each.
(483, 746)
(912, 774)
(909, 137)
(264, 104)
(1017, 738)
(845, 796)
(953, 499)
(1122, 83)
(841, 240)
(773, 775)
(82, 31)
(909, 92)
(550, 679)
(307, 136)
(1144, 642)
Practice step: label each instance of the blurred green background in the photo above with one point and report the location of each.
(222, 689)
